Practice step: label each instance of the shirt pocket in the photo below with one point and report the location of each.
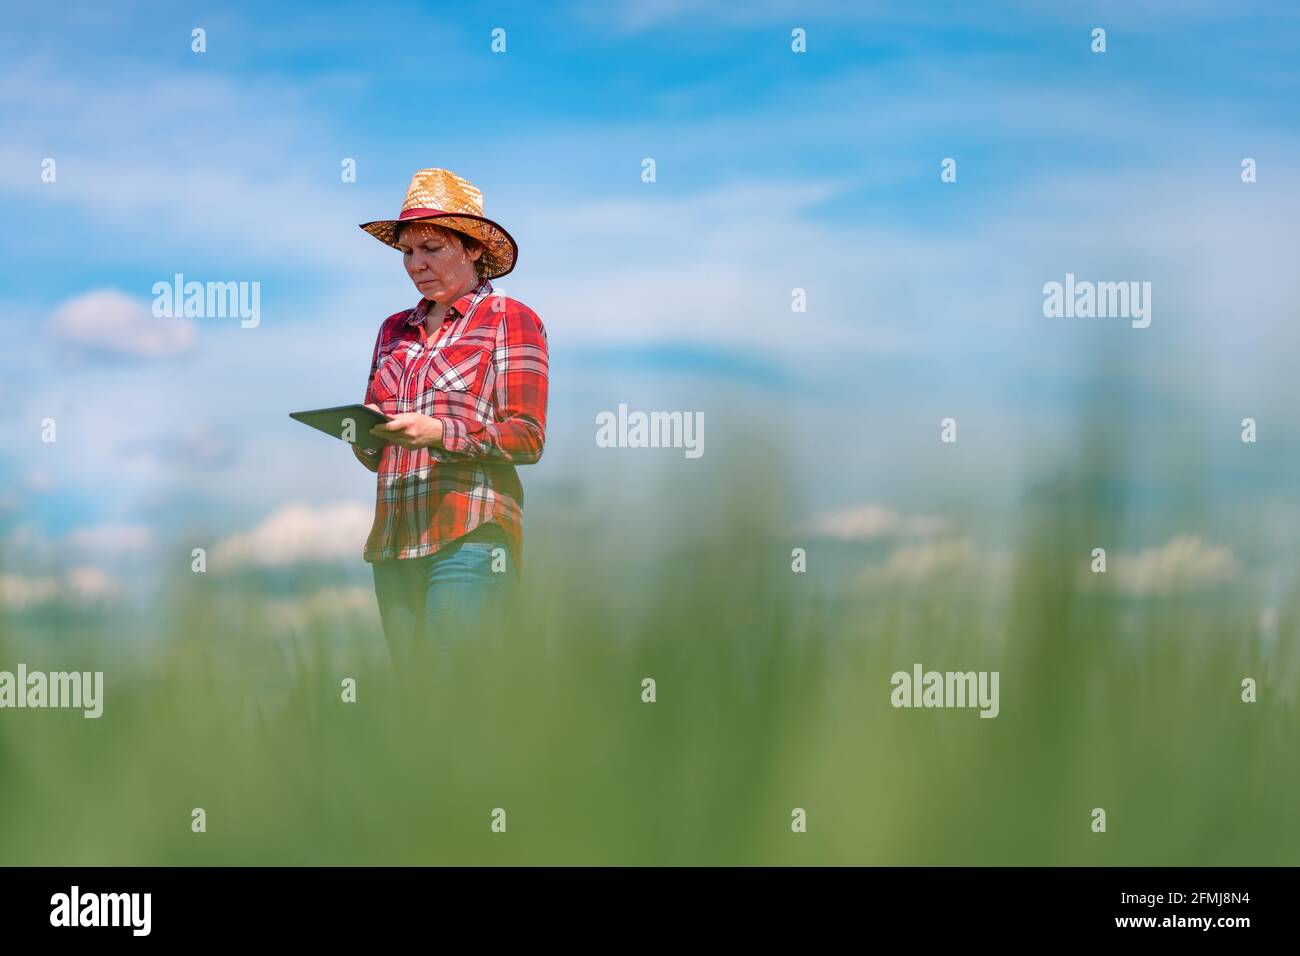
(453, 382)
(457, 368)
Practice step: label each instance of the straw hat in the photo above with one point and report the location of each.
(454, 203)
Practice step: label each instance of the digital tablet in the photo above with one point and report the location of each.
(335, 421)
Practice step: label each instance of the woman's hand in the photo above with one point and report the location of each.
(410, 430)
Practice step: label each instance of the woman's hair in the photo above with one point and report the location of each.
(468, 242)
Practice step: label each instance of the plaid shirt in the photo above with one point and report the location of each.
(484, 376)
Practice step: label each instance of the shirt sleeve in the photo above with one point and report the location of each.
(371, 461)
(519, 432)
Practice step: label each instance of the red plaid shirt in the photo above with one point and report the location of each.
(484, 376)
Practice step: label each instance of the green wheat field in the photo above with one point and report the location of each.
(772, 693)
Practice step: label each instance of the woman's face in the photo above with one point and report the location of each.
(437, 262)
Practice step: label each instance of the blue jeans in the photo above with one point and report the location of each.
(433, 606)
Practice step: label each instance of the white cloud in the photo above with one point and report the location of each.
(1183, 563)
(80, 585)
(20, 591)
(107, 321)
(913, 564)
(91, 584)
(104, 544)
(867, 522)
(944, 561)
(295, 615)
(298, 533)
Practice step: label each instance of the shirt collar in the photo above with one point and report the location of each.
(455, 310)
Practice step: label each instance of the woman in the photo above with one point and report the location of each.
(464, 375)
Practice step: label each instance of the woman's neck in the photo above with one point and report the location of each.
(437, 311)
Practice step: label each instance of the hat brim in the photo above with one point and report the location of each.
(499, 247)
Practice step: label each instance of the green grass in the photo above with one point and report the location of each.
(772, 693)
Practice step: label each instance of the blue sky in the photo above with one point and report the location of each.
(775, 170)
